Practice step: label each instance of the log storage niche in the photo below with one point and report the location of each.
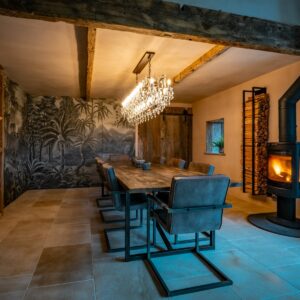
(256, 107)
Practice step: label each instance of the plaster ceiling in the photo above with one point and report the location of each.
(43, 58)
(40, 56)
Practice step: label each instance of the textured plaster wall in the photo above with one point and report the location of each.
(228, 105)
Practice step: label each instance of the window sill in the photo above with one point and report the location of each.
(211, 153)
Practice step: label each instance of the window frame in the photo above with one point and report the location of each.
(209, 148)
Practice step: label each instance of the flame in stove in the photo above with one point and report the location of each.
(280, 168)
(277, 168)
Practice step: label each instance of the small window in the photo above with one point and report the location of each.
(215, 136)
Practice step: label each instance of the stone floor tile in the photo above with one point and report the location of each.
(32, 230)
(286, 297)
(19, 257)
(18, 295)
(47, 203)
(290, 273)
(63, 264)
(122, 281)
(246, 273)
(68, 234)
(14, 283)
(81, 290)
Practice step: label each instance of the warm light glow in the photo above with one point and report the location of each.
(132, 95)
(148, 99)
(280, 168)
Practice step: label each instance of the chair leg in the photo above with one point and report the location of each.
(197, 241)
(163, 236)
(206, 238)
(154, 232)
(212, 239)
(104, 197)
(107, 221)
(108, 245)
(141, 216)
(106, 232)
(175, 239)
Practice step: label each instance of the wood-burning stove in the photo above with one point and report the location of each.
(283, 170)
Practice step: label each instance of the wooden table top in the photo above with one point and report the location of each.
(157, 178)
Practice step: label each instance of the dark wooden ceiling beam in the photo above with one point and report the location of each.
(201, 61)
(86, 41)
(91, 42)
(164, 19)
(81, 34)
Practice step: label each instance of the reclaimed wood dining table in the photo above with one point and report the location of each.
(137, 180)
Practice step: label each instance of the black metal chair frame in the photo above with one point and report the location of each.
(107, 231)
(223, 279)
(107, 208)
(108, 221)
(104, 197)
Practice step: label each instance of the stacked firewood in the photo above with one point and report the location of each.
(257, 139)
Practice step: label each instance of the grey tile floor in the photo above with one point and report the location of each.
(52, 246)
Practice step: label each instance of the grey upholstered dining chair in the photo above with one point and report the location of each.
(138, 202)
(195, 204)
(103, 183)
(176, 162)
(108, 207)
(204, 168)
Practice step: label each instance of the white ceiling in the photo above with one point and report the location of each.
(233, 67)
(42, 57)
(117, 54)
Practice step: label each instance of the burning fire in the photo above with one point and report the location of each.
(280, 168)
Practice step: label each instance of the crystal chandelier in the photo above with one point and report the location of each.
(148, 99)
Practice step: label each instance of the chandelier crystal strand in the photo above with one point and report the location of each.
(148, 99)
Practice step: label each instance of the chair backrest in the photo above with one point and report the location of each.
(201, 167)
(176, 162)
(99, 164)
(196, 191)
(113, 185)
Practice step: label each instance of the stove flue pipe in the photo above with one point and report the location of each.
(287, 113)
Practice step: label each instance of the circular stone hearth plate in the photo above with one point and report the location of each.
(261, 221)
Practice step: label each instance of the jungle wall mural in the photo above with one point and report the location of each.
(51, 142)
